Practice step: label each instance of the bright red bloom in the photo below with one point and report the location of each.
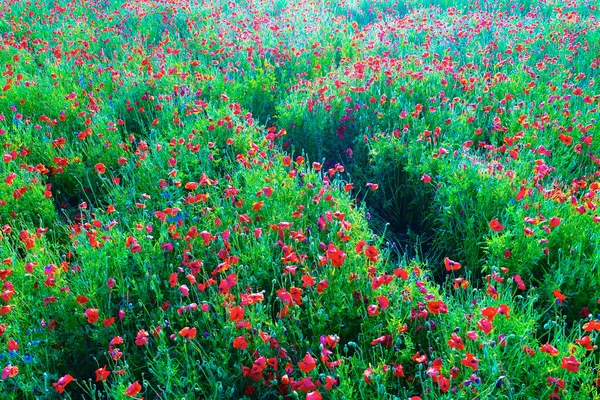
(142, 337)
(554, 222)
(399, 371)
(372, 253)
(419, 358)
(92, 315)
(559, 296)
(336, 256)
(308, 281)
(314, 395)
(385, 340)
(133, 389)
(12, 345)
(373, 310)
(496, 226)
(548, 348)
(530, 352)
(591, 326)
(401, 273)
(586, 343)
(330, 382)
(384, 302)
(470, 361)
(102, 374)
(556, 382)
(504, 310)
(451, 265)
(236, 314)
(62, 382)
(240, 343)
(100, 168)
(472, 335)
(304, 385)
(492, 292)
(444, 384)
(570, 364)
(455, 342)
(485, 325)
(322, 285)
(437, 307)
(489, 313)
(360, 246)
(189, 333)
(307, 364)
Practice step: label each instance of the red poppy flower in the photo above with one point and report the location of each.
(133, 389)
(12, 345)
(62, 382)
(444, 384)
(586, 343)
(100, 168)
(384, 302)
(504, 310)
(548, 348)
(307, 364)
(492, 292)
(190, 333)
(451, 265)
(102, 374)
(556, 382)
(470, 361)
(240, 343)
(489, 313)
(530, 352)
(336, 256)
(142, 337)
(314, 395)
(570, 364)
(330, 382)
(455, 342)
(419, 358)
(373, 310)
(437, 307)
(554, 222)
(236, 314)
(496, 226)
(371, 253)
(92, 315)
(485, 325)
(304, 385)
(322, 285)
(385, 340)
(399, 371)
(559, 296)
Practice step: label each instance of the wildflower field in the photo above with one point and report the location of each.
(299, 199)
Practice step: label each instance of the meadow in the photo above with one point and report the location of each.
(299, 199)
